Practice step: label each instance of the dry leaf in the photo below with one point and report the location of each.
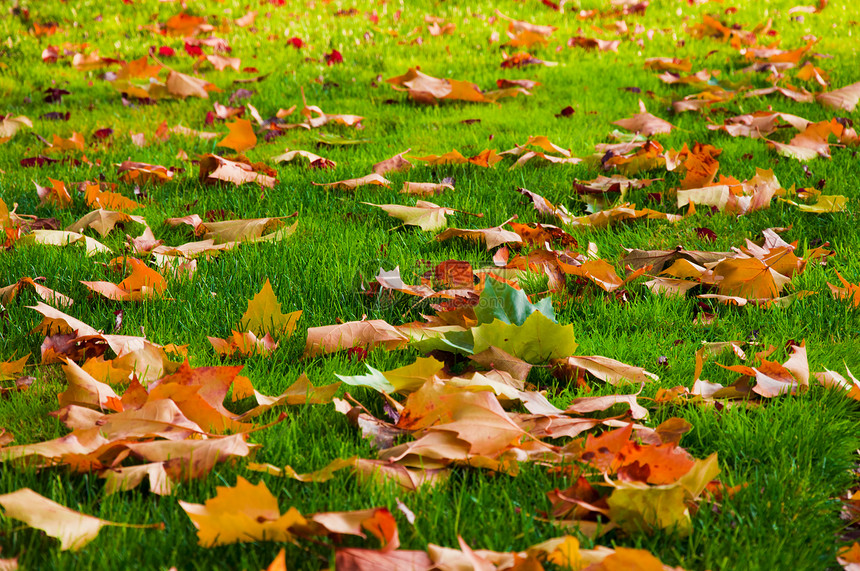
(73, 529)
(353, 183)
(241, 137)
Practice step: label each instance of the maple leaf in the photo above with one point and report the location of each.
(537, 340)
(182, 85)
(96, 198)
(314, 161)
(10, 370)
(63, 238)
(606, 369)
(425, 188)
(521, 59)
(638, 507)
(825, 204)
(142, 283)
(9, 125)
(84, 390)
(425, 215)
(138, 68)
(74, 143)
(8, 293)
(241, 137)
(369, 334)
(395, 164)
(845, 98)
(300, 392)
(244, 345)
(214, 168)
(668, 64)
(758, 124)
(485, 158)
(353, 183)
(750, 278)
(492, 237)
(322, 118)
(103, 221)
(246, 230)
(644, 123)
(401, 380)
(144, 172)
(523, 26)
(241, 514)
(73, 529)
(221, 63)
(427, 89)
(264, 316)
(848, 291)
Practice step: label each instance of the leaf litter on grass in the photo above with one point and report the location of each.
(472, 402)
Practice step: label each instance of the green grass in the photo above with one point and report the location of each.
(794, 453)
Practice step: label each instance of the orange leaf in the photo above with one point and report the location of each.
(241, 137)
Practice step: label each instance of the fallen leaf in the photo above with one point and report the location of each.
(142, 283)
(73, 529)
(426, 215)
(63, 238)
(243, 513)
(353, 183)
(369, 334)
(214, 168)
(395, 164)
(241, 137)
(8, 293)
(57, 195)
(263, 315)
(844, 98)
(485, 158)
(492, 237)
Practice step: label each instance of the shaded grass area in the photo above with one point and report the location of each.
(794, 453)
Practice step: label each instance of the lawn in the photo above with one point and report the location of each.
(749, 467)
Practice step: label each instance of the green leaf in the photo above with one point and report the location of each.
(537, 340)
(403, 380)
(508, 304)
(460, 342)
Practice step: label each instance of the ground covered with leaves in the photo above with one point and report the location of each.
(453, 285)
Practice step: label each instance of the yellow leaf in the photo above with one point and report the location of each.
(625, 559)
(566, 555)
(264, 315)
(244, 513)
(639, 507)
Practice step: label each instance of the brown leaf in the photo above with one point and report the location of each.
(425, 188)
(8, 293)
(485, 158)
(57, 195)
(368, 334)
(73, 529)
(645, 124)
(395, 164)
(143, 172)
(182, 85)
(427, 89)
(214, 168)
(492, 237)
(353, 183)
(844, 98)
(103, 221)
(606, 369)
(313, 160)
